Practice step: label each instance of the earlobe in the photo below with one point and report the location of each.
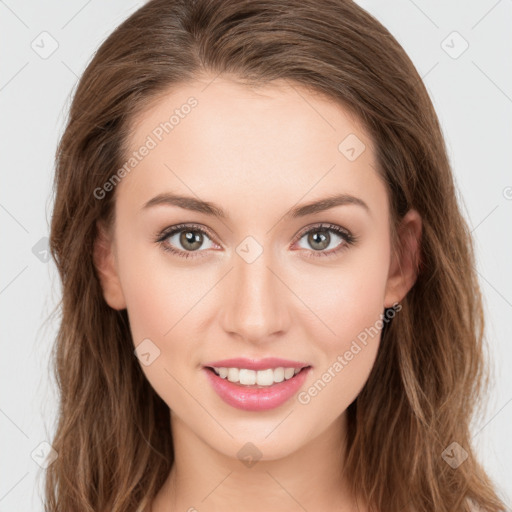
(104, 262)
(405, 261)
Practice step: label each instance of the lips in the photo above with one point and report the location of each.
(256, 397)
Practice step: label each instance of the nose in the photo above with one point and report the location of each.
(256, 301)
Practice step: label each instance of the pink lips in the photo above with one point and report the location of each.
(256, 398)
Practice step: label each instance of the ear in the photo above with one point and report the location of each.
(405, 259)
(105, 264)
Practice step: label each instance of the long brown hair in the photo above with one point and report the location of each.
(113, 434)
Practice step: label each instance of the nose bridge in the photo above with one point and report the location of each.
(256, 304)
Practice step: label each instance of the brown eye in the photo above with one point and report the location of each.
(191, 240)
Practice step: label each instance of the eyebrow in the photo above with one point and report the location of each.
(208, 208)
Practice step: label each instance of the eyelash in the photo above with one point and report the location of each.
(347, 237)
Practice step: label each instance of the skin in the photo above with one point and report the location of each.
(257, 153)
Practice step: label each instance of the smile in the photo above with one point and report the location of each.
(252, 390)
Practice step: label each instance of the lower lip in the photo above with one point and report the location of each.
(254, 398)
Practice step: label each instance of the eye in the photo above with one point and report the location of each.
(324, 236)
(184, 239)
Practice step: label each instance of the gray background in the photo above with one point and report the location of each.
(45, 47)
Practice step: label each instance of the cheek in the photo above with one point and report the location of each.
(345, 299)
(347, 356)
(149, 299)
(159, 301)
(348, 302)
(154, 291)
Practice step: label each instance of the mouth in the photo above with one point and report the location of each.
(249, 378)
(256, 390)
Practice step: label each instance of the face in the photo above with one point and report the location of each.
(267, 278)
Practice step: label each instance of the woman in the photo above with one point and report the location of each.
(269, 299)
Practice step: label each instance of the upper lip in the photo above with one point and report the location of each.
(256, 364)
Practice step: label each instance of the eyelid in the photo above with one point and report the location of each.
(170, 230)
(323, 225)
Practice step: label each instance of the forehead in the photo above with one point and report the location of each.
(216, 137)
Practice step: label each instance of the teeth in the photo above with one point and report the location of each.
(261, 377)
(247, 377)
(233, 374)
(289, 373)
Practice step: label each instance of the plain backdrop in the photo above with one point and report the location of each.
(461, 49)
